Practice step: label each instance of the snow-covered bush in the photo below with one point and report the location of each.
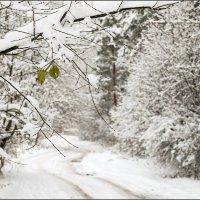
(158, 117)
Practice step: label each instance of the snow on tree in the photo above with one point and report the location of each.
(116, 36)
(40, 41)
(159, 116)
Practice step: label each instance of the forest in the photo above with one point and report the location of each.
(100, 99)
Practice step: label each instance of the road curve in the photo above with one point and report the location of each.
(48, 175)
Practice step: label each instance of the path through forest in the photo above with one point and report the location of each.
(89, 172)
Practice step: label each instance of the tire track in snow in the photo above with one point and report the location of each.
(76, 187)
(71, 163)
(117, 187)
(73, 185)
(123, 189)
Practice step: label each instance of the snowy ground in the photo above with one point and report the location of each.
(90, 172)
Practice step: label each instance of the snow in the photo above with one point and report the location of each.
(140, 176)
(30, 129)
(68, 53)
(18, 37)
(15, 84)
(93, 79)
(33, 101)
(87, 20)
(147, 122)
(21, 35)
(91, 171)
(14, 108)
(4, 154)
(5, 3)
(98, 7)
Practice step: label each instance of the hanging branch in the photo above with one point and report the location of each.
(36, 109)
(96, 14)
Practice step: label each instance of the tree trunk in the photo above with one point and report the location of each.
(114, 85)
(114, 77)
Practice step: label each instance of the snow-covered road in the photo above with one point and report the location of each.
(89, 172)
(41, 177)
(46, 174)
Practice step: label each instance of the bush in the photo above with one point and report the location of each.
(159, 116)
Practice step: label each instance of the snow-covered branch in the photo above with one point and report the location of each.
(44, 24)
